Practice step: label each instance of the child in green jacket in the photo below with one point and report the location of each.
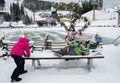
(84, 46)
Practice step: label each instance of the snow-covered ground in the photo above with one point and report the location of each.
(60, 71)
(106, 70)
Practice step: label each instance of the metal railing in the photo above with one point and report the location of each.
(116, 40)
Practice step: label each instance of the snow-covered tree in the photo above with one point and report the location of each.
(17, 12)
(27, 20)
(22, 9)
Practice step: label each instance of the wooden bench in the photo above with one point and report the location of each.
(66, 57)
(8, 45)
(38, 46)
(58, 45)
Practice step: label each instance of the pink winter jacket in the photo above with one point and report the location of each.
(21, 47)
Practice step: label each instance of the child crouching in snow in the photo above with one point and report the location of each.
(21, 48)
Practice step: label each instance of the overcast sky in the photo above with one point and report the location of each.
(111, 3)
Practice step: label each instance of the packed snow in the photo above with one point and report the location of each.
(61, 71)
(105, 70)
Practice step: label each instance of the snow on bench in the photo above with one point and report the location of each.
(66, 57)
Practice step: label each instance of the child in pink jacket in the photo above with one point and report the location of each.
(21, 48)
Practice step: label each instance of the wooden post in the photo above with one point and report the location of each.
(45, 41)
(47, 44)
(1, 41)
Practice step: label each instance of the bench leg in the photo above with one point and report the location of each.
(39, 64)
(90, 64)
(33, 64)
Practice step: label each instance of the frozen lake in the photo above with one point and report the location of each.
(53, 35)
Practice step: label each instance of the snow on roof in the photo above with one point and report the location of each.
(64, 12)
(37, 18)
(14, 24)
(32, 25)
(3, 11)
(5, 24)
(19, 24)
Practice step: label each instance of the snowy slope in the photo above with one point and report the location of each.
(102, 14)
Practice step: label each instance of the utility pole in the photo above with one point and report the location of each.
(94, 3)
(94, 13)
(33, 15)
(17, 17)
(118, 11)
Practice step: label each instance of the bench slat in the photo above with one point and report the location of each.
(1, 56)
(66, 57)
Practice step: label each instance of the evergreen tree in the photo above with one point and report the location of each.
(7, 17)
(2, 2)
(11, 9)
(22, 9)
(15, 12)
(91, 4)
(86, 6)
(27, 20)
(100, 3)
